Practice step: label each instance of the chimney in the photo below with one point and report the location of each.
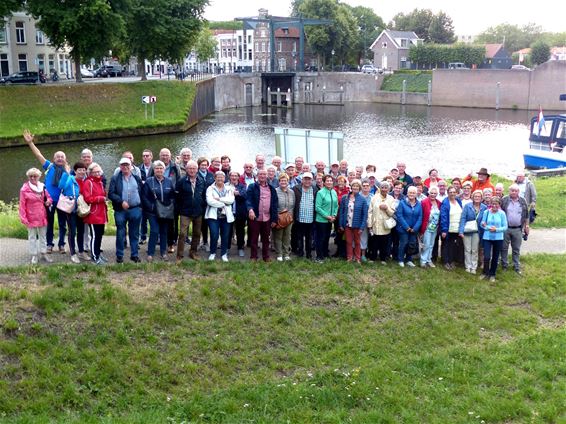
(262, 13)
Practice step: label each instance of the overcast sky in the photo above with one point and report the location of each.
(469, 18)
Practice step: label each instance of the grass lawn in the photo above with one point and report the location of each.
(299, 343)
(89, 107)
(417, 82)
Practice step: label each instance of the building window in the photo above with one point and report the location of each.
(384, 45)
(279, 46)
(51, 62)
(41, 62)
(23, 62)
(250, 54)
(403, 42)
(263, 46)
(249, 39)
(39, 37)
(257, 46)
(3, 34)
(20, 33)
(4, 65)
(294, 46)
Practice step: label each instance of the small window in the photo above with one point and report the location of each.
(41, 61)
(279, 46)
(20, 33)
(2, 34)
(39, 37)
(384, 45)
(403, 42)
(23, 62)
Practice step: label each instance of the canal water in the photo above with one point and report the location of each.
(452, 140)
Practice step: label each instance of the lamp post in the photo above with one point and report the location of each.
(332, 66)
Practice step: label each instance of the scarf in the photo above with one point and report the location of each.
(36, 188)
(203, 173)
(59, 169)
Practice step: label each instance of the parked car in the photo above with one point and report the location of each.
(520, 67)
(85, 73)
(457, 65)
(114, 70)
(369, 69)
(23, 77)
(100, 72)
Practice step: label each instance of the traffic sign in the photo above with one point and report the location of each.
(145, 99)
(153, 99)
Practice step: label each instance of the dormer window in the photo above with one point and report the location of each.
(384, 45)
(403, 42)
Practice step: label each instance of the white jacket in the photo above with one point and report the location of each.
(215, 201)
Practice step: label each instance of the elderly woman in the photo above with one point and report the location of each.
(219, 198)
(409, 220)
(499, 190)
(466, 196)
(326, 207)
(471, 231)
(381, 208)
(487, 196)
(70, 187)
(450, 214)
(342, 189)
(34, 199)
(282, 236)
(429, 228)
(352, 220)
(95, 195)
(240, 212)
(158, 192)
(432, 179)
(494, 224)
(366, 194)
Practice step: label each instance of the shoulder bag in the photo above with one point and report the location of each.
(284, 219)
(83, 208)
(163, 211)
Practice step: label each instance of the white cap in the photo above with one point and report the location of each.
(125, 160)
(307, 175)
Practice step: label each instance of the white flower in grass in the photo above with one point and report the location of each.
(440, 378)
(246, 405)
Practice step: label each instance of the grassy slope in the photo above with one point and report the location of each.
(90, 107)
(416, 82)
(294, 343)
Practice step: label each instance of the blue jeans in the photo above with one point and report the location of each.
(132, 218)
(157, 227)
(322, 239)
(62, 220)
(428, 244)
(219, 227)
(491, 252)
(144, 221)
(71, 219)
(404, 240)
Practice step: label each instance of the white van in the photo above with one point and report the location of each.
(457, 65)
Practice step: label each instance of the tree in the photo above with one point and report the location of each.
(540, 52)
(441, 29)
(163, 29)
(88, 27)
(369, 26)
(231, 25)
(418, 20)
(205, 46)
(9, 6)
(514, 37)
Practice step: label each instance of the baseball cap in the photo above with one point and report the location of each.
(125, 160)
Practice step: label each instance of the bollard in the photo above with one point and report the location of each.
(278, 97)
(289, 101)
(404, 93)
(429, 100)
(497, 95)
(269, 96)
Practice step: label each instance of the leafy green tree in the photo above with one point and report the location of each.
(540, 52)
(205, 46)
(441, 29)
(418, 20)
(9, 6)
(369, 26)
(229, 25)
(514, 37)
(163, 29)
(427, 56)
(89, 28)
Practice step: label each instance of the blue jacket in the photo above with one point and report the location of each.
(469, 214)
(165, 192)
(445, 214)
(498, 220)
(188, 203)
(241, 209)
(252, 201)
(359, 220)
(408, 216)
(69, 186)
(115, 190)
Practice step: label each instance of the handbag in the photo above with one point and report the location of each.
(284, 219)
(83, 208)
(66, 203)
(389, 223)
(164, 211)
(471, 227)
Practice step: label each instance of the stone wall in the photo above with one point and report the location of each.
(230, 90)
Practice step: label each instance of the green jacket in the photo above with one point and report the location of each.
(326, 204)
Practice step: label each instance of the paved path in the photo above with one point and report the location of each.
(14, 251)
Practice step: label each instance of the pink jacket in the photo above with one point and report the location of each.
(32, 207)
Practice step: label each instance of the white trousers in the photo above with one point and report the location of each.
(37, 238)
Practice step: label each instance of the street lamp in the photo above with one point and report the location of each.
(332, 67)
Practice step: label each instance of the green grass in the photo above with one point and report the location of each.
(417, 82)
(72, 108)
(279, 343)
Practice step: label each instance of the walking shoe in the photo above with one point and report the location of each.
(432, 265)
(364, 259)
(165, 258)
(75, 259)
(225, 257)
(287, 258)
(448, 267)
(483, 277)
(103, 259)
(518, 271)
(241, 253)
(279, 258)
(49, 249)
(171, 249)
(473, 271)
(135, 259)
(492, 279)
(204, 246)
(34, 259)
(46, 258)
(383, 263)
(410, 264)
(468, 270)
(119, 259)
(62, 250)
(84, 256)
(212, 257)
(150, 259)
(423, 265)
(402, 264)
(194, 256)
(99, 261)
(142, 242)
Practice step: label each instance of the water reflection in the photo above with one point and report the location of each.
(453, 140)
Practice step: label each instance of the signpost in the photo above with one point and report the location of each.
(149, 100)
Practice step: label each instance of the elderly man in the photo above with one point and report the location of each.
(320, 167)
(53, 173)
(125, 194)
(174, 174)
(190, 205)
(482, 182)
(343, 167)
(133, 168)
(304, 215)
(261, 203)
(527, 189)
(276, 162)
(259, 163)
(146, 168)
(248, 178)
(225, 166)
(405, 178)
(290, 171)
(271, 176)
(517, 211)
(299, 164)
(185, 155)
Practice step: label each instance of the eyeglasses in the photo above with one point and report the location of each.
(124, 164)
(34, 176)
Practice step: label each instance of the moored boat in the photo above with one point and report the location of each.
(547, 142)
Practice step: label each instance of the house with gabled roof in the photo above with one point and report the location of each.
(496, 57)
(391, 49)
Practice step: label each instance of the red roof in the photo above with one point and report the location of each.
(292, 33)
(491, 50)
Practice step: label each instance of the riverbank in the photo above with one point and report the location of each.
(212, 342)
(66, 112)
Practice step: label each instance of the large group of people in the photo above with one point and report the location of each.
(293, 209)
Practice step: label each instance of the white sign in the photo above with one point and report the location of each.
(145, 99)
(152, 99)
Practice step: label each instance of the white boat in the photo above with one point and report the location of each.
(547, 143)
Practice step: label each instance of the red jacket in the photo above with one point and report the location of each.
(32, 209)
(344, 191)
(94, 194)
(427, 206)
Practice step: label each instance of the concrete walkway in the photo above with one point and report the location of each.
(14, 252)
